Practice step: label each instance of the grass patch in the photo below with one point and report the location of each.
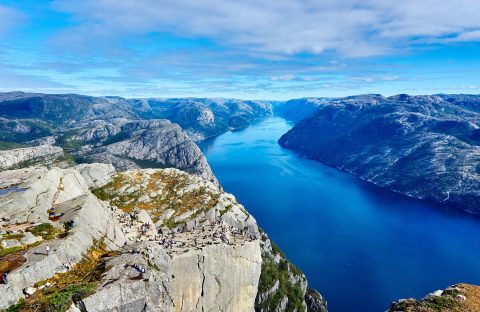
(12, 236)
(10, 250)
(45, 230)
(17, 307)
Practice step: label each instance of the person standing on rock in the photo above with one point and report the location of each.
(48, 250)
(4, 278)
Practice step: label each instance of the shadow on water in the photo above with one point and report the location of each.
(362, 246)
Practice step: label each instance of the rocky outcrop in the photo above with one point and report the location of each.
(426, 147)
(456, 298)
(207, 255)
(175, 199)
(147, 143)
(315, 301)
(28, 156)
(29, 196)
(96, 175)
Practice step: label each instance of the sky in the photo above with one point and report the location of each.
(250, 49)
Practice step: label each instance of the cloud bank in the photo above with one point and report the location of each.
(350, 27)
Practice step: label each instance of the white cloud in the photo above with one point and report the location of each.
(283, 78)
(9, 18)
(469, 36)
(351, 27)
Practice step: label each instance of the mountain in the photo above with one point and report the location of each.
(128, 133)
(202, 118)
(297, 109)
(90, 238)
(426, 147)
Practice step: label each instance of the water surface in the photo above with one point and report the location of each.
(360, 245)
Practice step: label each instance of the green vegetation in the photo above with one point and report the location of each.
(12, 236)
(45, 230)
(10, 145)
(446, 302)
(69, 158)
(61, 300)
(145, 163)
(438, 303)
(276, 250)
(37, 130)
(81, 281)
(287, 287)
(10, 250)
(121, 136)
(17, 307)
(271, 273)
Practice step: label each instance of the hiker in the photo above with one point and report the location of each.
(48, 250)
(4, 278)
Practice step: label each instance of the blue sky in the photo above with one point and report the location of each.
(271, 49)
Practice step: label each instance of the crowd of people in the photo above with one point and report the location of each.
(178, 240)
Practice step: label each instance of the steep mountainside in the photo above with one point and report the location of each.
(140, 144)
(422, 146)
(296, 110)
(87, 238)
(202, 118)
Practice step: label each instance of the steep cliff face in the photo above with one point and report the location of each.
(422, 146)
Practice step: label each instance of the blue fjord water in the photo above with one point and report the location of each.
(360, 245)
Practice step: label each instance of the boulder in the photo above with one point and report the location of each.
(10, 243)
(96, 174)
(30, 291)
(28, 238)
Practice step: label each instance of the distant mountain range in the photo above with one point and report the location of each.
(422, 146)
(127, 133)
